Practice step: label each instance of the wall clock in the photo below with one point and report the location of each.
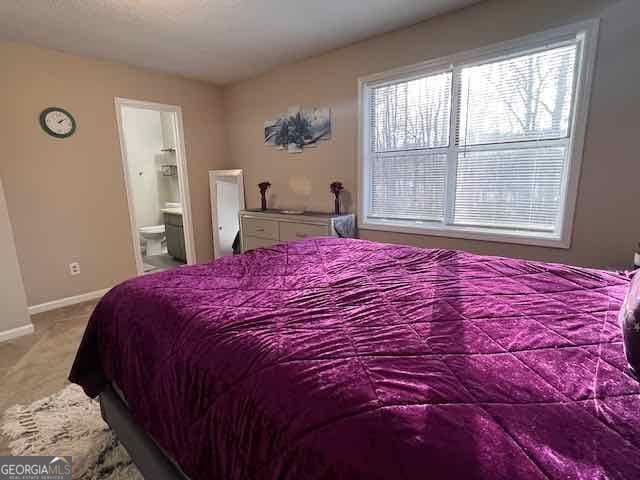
(57, 122)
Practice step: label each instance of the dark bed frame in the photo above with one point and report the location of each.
(151, 460)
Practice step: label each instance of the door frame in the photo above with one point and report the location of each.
(181, 160)
(214, 195)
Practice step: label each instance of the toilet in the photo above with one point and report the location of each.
(152, 237)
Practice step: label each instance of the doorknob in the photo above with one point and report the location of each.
(220, 227)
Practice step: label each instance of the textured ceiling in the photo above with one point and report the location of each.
(215, 40)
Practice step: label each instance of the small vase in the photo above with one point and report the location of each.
(336, 208)
(264, 202)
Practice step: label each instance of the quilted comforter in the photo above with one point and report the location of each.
(347, 359)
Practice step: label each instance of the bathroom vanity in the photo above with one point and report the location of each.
(174, 231)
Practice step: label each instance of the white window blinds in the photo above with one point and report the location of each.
(507, 108)
(409, 187)
(515, 188)
(478, 146)
(412, 114)
(520, 99)
(410, 122)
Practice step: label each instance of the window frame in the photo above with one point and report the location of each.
(586, 34)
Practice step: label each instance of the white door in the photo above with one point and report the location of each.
(227, 199)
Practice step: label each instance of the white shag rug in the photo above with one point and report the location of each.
(69, 423)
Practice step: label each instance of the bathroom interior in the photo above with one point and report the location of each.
(150, 142)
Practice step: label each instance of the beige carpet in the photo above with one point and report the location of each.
(68, 423)
(35, 366)
(33, 375)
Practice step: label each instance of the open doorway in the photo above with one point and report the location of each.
(155, 171)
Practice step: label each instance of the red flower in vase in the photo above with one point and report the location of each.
(336, 188)
(263, 186)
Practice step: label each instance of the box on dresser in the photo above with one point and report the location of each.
(261, 228)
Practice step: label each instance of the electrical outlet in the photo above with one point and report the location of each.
(74, 268)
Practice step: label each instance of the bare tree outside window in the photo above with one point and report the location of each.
(483, 144)
(408, 181)
(521, 101)
(504, 178)
(413, 115)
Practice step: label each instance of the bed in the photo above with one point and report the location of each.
(347, 359)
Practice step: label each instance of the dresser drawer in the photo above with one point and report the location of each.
(255, 227)
(251, 243)
(297, 231)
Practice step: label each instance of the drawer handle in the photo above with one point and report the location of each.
(259, 229)
(301, 235)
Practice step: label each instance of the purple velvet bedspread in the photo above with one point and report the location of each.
(348, 359)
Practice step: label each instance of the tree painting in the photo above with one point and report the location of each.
(298, 128)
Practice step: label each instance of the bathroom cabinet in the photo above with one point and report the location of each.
(174, 232)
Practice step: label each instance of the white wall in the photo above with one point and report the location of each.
(13, 301)
(168, 187)
(168, 129)
(143, 141)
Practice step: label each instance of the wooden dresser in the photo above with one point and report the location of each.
(260, 228)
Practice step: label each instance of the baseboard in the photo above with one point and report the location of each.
(16, 332)
(65, 302)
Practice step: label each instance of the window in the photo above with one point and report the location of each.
(484, 144)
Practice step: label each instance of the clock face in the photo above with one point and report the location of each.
(57, 122)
